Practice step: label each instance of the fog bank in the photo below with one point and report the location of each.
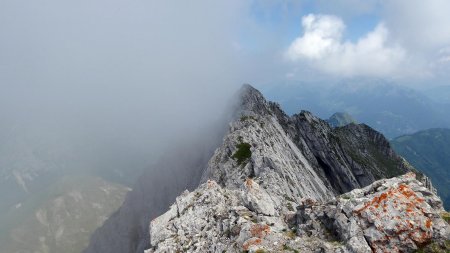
(91, 81)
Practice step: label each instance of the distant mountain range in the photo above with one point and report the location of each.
(429, 152)
(391, 109)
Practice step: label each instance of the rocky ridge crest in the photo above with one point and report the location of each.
(270, 163)
(390, 215)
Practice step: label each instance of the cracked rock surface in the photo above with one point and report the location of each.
(390, 215)
(266, 166)
(295, 184)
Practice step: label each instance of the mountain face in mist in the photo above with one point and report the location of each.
(57, 185)
(32, 157)
(61, 217)
(391, 109)
(429, 152)
(270, 164)
(180, 168)
(286, 158)
(341, 119)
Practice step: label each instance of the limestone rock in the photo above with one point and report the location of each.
(390, 215)
(269, 162)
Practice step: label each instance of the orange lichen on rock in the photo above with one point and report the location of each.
(259, 230)
(405, 190)
(428, 223)
(403, 215)
(376, 201)
(251, 242)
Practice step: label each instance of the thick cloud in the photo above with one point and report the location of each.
(115, 77)
(419, 24)
(323, 46)
(422, 27)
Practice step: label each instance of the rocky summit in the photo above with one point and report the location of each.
(295, 184)
(390, 215)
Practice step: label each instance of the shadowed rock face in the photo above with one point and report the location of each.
(127, 229)
(289, 158)
(343, 158)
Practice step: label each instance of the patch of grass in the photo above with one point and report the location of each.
(243, 153)
(247, 117)
(336, 243)
(291, 234)
(290, 207)
(288, 198)
(446, 216)
(287, 248)
(435, 247)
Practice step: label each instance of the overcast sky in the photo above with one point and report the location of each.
(147, 69)
(118, 46)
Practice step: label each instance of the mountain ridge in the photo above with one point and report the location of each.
(288, 159)
(248, 204)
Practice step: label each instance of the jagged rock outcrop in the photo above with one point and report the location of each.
(300, 156)
(217, 219)
(270, 163)
(267, 163)
(390, 215)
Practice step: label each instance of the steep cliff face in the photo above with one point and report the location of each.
(257, 146)
(267, 163)
(303, 152)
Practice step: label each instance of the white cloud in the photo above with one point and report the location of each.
(322, 46)
(420, 24)
(321, 37)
